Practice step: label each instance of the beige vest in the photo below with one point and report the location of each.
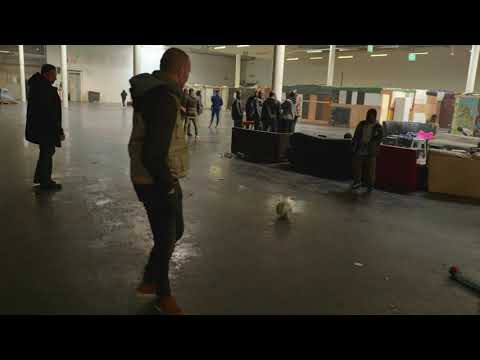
(177, 153)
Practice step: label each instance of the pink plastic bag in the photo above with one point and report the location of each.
(425, 135)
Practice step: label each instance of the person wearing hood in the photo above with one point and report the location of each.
(237, 110)
(366, 141)
(158, 159)
(192, 113)
(44, 123)
(271, 113)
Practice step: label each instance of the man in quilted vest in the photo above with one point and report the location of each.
(159, 158)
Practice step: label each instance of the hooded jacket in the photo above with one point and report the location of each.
(271, 110)
(44, 112)
(157, 148)
(372, 147)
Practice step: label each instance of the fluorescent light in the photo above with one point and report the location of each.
(219, 47)
(243, 45)
(316, 58)
(4, 52)
(311, 51)
(292, 59)
(378, 55)
(421, 53)
(346, 57)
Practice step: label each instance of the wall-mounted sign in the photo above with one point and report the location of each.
(412, 57)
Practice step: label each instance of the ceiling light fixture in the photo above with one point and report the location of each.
(4, 51)
(421, 53)
(292, 59)
(243, 46)
(346, 57)
(312, 51)
(378, 55)
(316, 58)
(219, 47)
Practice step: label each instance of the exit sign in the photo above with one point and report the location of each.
(412, 57)
(370, 48)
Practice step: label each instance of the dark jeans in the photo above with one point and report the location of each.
(190, 120)
(258, 125)
(43, 171)
(215, 112)
(364, 170)
(165, 214)
(289, 126)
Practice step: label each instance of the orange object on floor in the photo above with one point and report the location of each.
(168, 305)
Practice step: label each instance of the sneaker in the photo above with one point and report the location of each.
(356, 186)
(146, 290)
(52, 185)
(168, 305)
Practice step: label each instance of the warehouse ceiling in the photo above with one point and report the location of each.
(266, 51)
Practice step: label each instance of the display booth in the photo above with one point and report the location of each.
(347, 106)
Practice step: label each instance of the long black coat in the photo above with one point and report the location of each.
(44, 112)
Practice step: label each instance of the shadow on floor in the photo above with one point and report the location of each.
(451, 198)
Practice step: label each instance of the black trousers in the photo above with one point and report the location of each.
(271, 125)
(258, 125)
(43, 171)
(165, 214)
(238, 123)
(123, 101)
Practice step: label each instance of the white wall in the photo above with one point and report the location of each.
(437, 70)
(258, 70)
(107, 68)
(215, 70)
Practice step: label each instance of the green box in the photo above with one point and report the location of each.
(412, 57)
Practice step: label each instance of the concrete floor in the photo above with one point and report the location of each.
(82, 250)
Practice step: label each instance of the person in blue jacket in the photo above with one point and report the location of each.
(217, 104)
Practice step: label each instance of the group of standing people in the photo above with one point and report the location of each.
(266, 114)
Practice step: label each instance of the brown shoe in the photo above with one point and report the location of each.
(146, 290)
(168, 305)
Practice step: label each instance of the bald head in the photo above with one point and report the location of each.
(176, 64)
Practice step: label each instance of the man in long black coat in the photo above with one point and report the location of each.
(44, 123)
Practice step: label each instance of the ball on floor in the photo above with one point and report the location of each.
(284, 209)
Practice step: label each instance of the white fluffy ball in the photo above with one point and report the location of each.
(284, 209)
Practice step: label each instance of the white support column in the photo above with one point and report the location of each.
(331, 65)
(278, 63)
(63, 55)
(238, 63)
(472, 69)
(136, 60)
(21, 60)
